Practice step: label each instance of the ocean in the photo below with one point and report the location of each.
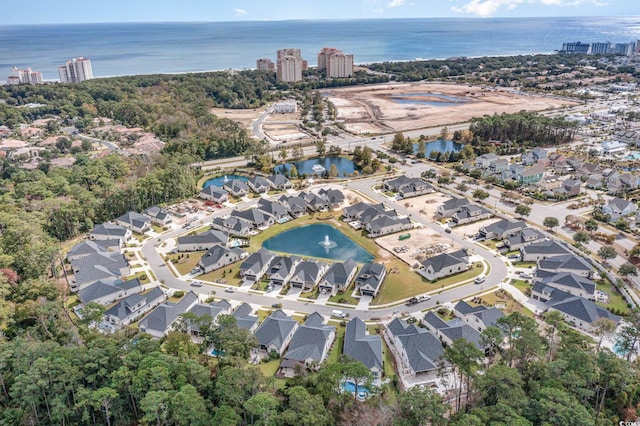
(147, 48)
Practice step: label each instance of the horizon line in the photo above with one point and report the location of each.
(315, 20)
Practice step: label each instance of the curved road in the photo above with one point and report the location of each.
(494, 277)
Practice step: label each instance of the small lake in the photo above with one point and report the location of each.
(309, 241)
(427, 98)
(220, 180)
(317, 166)
(441, 146)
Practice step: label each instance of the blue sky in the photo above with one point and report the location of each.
(76, 11)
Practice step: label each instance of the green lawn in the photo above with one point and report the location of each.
(492, 299)
(521, 285)
(388, 360)
(230, 274)
(313, 294)
(490, 244)
(270, 368)
(142, 276)
(524, 264)
(407, 283)
(157, 229)
(336, 349)
(344, 297)
(185, 262)
(616, 300)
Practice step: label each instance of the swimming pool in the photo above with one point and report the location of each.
(351, 387)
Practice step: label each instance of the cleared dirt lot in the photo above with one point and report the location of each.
(425, 205)
(404, 106)
(471, 229)
(423, 243)
(243, 116)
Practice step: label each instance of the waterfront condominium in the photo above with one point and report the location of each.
(289, 65)
(265, 64)
(337, 63)
(76, 70)
(25, 76)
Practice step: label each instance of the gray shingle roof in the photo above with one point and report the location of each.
(97, 266)
(443, 260)
(278, 180)
(135, 219)
(308, 271)
(423, 349)
(253, 215)
(109, 229)
(371, 275)
(435, 321)
(272, 208)
(572, 280)
(502, 226)
(455, 203)
(123, 309)
(463, 331)
(275, 329)
(362, 347)
(101, 289)
(309, 340)
(582, 309)
(156, 212)
(212, 236)
(90, 247)
(161, 318)
(339, 272)
(567, 261)
(256, 261)
(546, 247)
(243, 316)
(214, 191)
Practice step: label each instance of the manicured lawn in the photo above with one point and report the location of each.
(270, 368)
(615, 299)
(140, 237)
(344, 297)
(313, 294)
(407, 283)
(264, 313)
(489, 244)
(521, 285)
(185, 262)
(336, 349)
(157, 229)
(230, 274)
(142, 276)
(388, 360)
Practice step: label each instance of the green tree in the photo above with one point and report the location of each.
(262, 408)
(189, 408)
(226, 416)
(523, 210)
(604, 328)
(607, 252)
(480, 194)
(398, 142)
(491, 339)
(420, 406)
(92, 314)
(591, 225)
(333, 171)
(465, 359)
(501, 385)
(581, 237)
(628, 269)
(304, 409)
(422, 149)
(444, 133)
(283, 154)
(627, 340)
(293, 172)
(321, 147)
(551, 222)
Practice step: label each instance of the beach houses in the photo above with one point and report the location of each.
(618, 208)
(542, 250)
(501, 229)
(244, 318)
(470, 213)
(451, 206)
(576, 285)
(279, 182)
(236, 187)
(274, 209)
(110, 231)
(158, 215)
(517, 240)
(258, 219)
(408, 187)
(451, 330)
(233, 225)
(444, 264)
(259, 185)
(105, 292)
(98, 266)
(478, 317)
(281, 269)
(309, 346)
(160, 320)
(577, 311)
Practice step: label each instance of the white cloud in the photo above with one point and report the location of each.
(486, 8)
(240, 12)
(395, 3)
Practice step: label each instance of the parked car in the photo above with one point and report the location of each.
(423, 298)
(197, 283)
(412, 301)
(479, 279)
(230, 289)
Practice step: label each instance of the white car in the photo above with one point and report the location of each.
(479, 279)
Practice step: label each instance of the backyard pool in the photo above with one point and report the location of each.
(351, 387)
(318, 240)
(220, 180)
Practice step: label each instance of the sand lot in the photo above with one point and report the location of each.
(242, 116)
(425, 205)
(471, 229)
(404, 106)
(422, 244)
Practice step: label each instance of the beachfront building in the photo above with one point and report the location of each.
(289, 65)
(337, 63)
(24, 76)
(76, 70)
(265, 64)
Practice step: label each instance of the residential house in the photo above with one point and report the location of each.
(215, 194)
(108, 291)
(98, 266)
(501, 229)
(444, 264)
(281, 269)
(315, 203)
(355, 212)
(160, 320)
(418, 353)
(370, 278)
(539, 153)
(296, 206)
(527, 159)
(618, 208)
(614, 187)
(259, 185)
(542, 250)
(408, 187)
(86, 248)
(334, 197)
(479, 317)
(594, 181)
(531, 175)
(360, 346)
(256, 265)
(236, 187)
(549, 183)
(570, 187)
(568, 282)
(630, 181)
(517, 240)
(499, 166)
(567, 263)
(575, 162)
(110, 231)
(129, 309)
(273, 209)
(279, 182)
(309, 346)
(338, 276)
(452, 330)
(512, 172)
(451, 206)
(158, 215)
(233, 225)
(384, 224)
(275, 332)
(470, 213)
(587, 169)
(485, 160)
(307, 274)
(208, 311)
(578, 311)
(258, 218)
(244, 319)
(218, 257)
(203, 241)
(613, 147)
(135, 222)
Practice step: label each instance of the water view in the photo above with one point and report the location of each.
(427, 98)
(318, 240)
(441, 146)
(221, 180)
(317, 166)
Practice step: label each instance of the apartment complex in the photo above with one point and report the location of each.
(76, 70)
(337, 63)
(24, 76)
(289, 65)
(265, 64)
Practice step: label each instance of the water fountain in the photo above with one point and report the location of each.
(318, 168)
(327, 243)
(225, 179)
